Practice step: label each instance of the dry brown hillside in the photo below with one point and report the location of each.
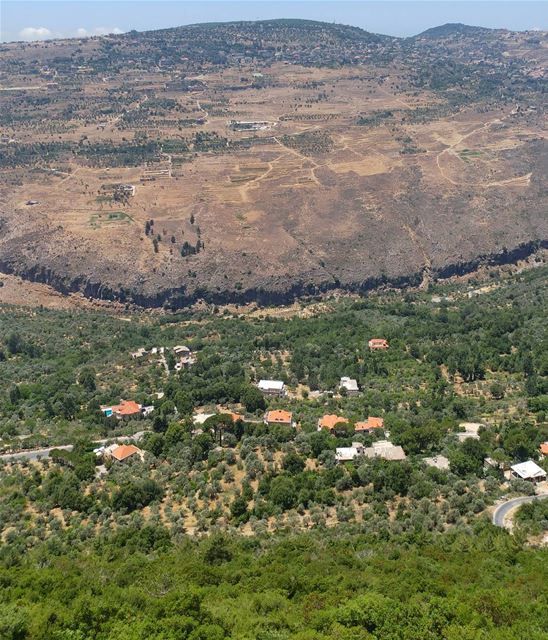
(269, 159)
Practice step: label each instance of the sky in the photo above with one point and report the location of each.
(45, 19)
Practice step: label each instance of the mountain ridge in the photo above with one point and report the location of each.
(442, 30)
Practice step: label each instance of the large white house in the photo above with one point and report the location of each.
(272, 387)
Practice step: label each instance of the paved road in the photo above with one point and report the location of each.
(502, 511)
(34, 454)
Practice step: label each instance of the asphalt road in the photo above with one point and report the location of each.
(34, 454)
(504, 509)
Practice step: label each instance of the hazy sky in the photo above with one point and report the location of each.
(42, 19)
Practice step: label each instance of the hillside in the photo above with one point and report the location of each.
(269, 159)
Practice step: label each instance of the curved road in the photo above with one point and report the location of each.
(502, 511)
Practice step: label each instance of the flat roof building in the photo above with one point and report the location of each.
(272, 387)
(346, 454)
(384, 449)
(439, 462)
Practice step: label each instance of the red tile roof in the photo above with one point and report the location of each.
(378, 343)
(235, 416)
(279, 416)
(370, 423)
(544, 448)
(126, 408)
(125, 451)
(330, 420)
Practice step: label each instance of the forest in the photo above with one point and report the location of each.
(140, 583)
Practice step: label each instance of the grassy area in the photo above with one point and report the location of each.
(110, 218)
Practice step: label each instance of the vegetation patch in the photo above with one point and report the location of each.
(109, 218)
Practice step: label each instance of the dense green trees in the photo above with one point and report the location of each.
(135, 494)
(137, 584)
(467, 458)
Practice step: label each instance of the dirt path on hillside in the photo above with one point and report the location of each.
(522, 181)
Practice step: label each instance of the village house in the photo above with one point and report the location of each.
(346, 454)
(184, 363)
(350, 385)
(125, 410)
(279, 416)
(543, 449)
(272, 387)
(377, 343)
(384, 449)
(141, 351)
(186, 357)
(181, 350)
(529, 471)
(200, 418)
(124, 452)
(124, 190)
(369, 425)
(329, 421)
(491, 463)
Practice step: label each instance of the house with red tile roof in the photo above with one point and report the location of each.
(543, 449)
(126, 409)
(124, 452)
(377, 343)
(329, 421)
(279, 416)
(369, 425)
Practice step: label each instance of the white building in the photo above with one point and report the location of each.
(529, 471)
(350, 385)
(345, 454)
(139, 353)
(272, 387)
(125, 189)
